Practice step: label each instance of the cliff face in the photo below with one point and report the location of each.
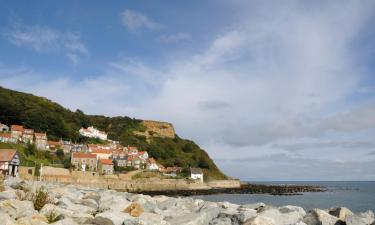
(156, 129)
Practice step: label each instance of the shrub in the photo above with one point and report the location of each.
(52, 216)
(40, 198)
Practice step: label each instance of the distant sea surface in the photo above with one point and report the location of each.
(357, 196)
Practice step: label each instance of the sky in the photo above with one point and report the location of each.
(272, 90)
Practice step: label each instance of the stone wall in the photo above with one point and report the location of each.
(225, 183)
(157, 129)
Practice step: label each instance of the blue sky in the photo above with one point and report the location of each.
(272, 90)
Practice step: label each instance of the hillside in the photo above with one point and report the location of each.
(43, 115)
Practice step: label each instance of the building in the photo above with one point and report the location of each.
(16, 133)
(132, 150)
(152, 165)
(143, 155)
(66, 146)
(119, 158)
(53, 145)
(4, 128)
(102, 153)
(28, 136)
(41, 141)
(84, 161)
(105, 166)
(79, 148)
(5, 137)
(92, 132)
(9, 162)
(196, 174)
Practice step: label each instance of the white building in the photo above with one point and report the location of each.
(92, 132)
(196, 174)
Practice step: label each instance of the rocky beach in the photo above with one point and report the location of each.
(39, 203)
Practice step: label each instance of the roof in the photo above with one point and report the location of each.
(196, 171)
(5, 135)
(40, 135)
(53, 142)
(7, 155)
(106, 161)
(53, 171)
(83, 155)
(101, 151)
(17, 128)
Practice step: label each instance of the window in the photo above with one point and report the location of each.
(30, 171)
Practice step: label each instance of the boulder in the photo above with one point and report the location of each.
(8, 194)
(66, 203)
(260, 220)
(146, 202)
(134, 209)
(90, 203)
(6, 219)
(152, 219)
(112, 201)
(199, 218)
(77, 216)
(17, 209)
(320, 217)
(66, 221)
(221, 221)
(340, 212)
(366, 218)
(114, 218)
(284, 215)
(257, 206)
(35, 219)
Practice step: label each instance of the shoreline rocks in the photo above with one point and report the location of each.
(73, 205)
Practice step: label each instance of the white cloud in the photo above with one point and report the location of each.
(48, 40)
(135, 20)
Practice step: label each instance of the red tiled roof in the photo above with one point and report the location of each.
(7, 155)
(83, 155)
(17, 128)
(28, 131)
(101, 151)
(40, 135)
(106, 161)
(53, 142)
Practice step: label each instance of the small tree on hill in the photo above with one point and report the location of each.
(60, 154)
(30, 149)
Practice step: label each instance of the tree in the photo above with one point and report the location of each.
(30, 149)
(60, 154)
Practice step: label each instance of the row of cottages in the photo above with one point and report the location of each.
(90, 162)
(92, 132)
(9, 162)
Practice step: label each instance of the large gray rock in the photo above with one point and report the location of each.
(66, 221)
(113, 201)
(366, 218)
(285, 215)
(202, 217)
(320, 217)
(152, 219)
(66, 203)
(17, 209)
(35, 219)
(114, 218)
(77, 216)
(341, 212)
(222, 221)
(8, 194)
(257, 206)
(260, 220)
(6, 219)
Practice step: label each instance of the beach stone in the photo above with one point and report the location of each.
(35, 219)
(201, 218)
(285, 215)
(257, 206)
(340, 212)
(6, 219)
(66, 221)
(134, 209)
(77, 216)
(320, 217)
(109, 201)
(260, 220)
(222, 221)
(89, 203)
(8, 194)
(114, 218)
(66, 203)
(146, 202)
(365, 218)
(17, 209)
(152, 219)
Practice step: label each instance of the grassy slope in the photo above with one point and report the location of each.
(43, 115)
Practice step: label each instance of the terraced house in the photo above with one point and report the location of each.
(84, 161)
(16, 133)
(28, 136)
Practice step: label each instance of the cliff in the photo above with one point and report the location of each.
(156, 129)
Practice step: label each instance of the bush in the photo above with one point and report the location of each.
(60, 154)
(52, 216)
(40, 198)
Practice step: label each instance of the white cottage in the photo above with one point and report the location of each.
(196, 174)
(9, 162)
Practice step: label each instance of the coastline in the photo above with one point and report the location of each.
(72, 205)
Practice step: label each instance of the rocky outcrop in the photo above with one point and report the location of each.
(157, 129)
(73, 205)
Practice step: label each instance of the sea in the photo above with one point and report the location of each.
(358, 196)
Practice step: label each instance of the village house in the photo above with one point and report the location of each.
(28, 136)
(4, 128)
(132, 150)
(102, 153)
(16, 133)
(9, 162)
(105, 166)
(84, 161)
(196, 174)
(143, 155)
(119, 158)
(53, 145)
(5, 137)
(152, 165)
(92, 132)
(79, 148)
(66, 146)
(41, 141)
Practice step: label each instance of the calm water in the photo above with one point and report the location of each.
(357, 196)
